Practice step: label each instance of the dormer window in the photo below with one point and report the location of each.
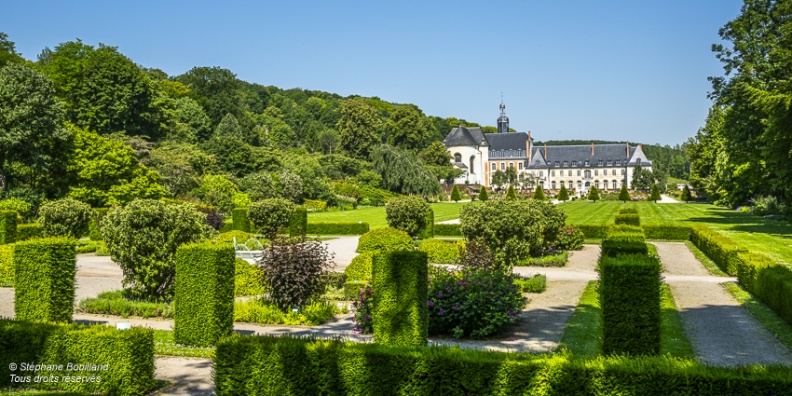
(610, 162)
(537, 162)
(574, 163)
(599, 163)
(457, 157)
(566, 164)
(557, 164)
(587, 163)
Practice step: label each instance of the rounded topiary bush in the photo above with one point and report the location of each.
(408, 214)
(65, 217)
(441, 252)
(270, 216)
(570, 238)
(383, 240)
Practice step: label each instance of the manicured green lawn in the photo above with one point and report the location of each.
(771, 237)
(375, 216)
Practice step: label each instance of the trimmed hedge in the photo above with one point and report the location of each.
(628, 219)
(228, 225)
(240, 220)
(248, 279)
(266, 365)
(298, 223)
(8, 226)
(667, 232)
(629, 294)
(769, 281)
(358, 274)
(384, 240)
(428, 231)
(126, 356)
(44, 272)
(624, 240)
(116, 303)
(593, 231)
(7, 265)
(337, 228)
(95, 227)
(440, 251)
(401, 284)
(632, 210)
(204, 297)
(719, 248)
(28, 231)
(447, 230)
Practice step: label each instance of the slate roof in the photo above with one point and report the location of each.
(507, 141)
(462, 136)
(582, 153)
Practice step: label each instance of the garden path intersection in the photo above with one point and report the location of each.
(721, 332)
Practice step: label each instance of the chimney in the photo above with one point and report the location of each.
(528, 147)
(592, 149)
(640, 146)
(628, 150)
(545, 154)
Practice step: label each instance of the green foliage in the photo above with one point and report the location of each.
(272, 365)
(20, 206)
(483, 197)
(95, 226)
(428, 231)
(628, 219)
(550, 260)
(510, 194)
(357, 126)
(127, 354)
(624, 195)
(563, 194)
(337, 228)
(447, 230)
(142, 238)
(593, 194)
(593, 231)
(570, 238)
(240, 219)
(358, 274)
(248, 279)
(8, 226)
(455, 194)
(686, 196)
(721, 249)
(384, 240)
(668, 232)
(220, 192)
(298, 223)
(270, 216)
(294, 271)
(120, 303)
(769, 281)
(655, 194)
(403, 172)
(628, 210)
(630, 300)
(400, 314)
(44, 272)
(441, 252)
(65, 217)
(204, 294)
(534, 284)
(539, 194)
(7, 265)
(313, 205)
(408, 214)
(264, 312)
(624, 240)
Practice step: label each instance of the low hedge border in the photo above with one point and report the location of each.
(447, 230)
(652, 232)
(628, 219)
(8, 226)
(769, 281)
(28, 231)
(337, 228)
(265, 365)
(44, 272)
(428, 231)
(298, 223)
(721, 249)
(239, 219)
(7, 265)
(127, 354)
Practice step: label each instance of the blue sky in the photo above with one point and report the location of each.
(620, 70)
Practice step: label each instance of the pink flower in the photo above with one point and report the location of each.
(430, 304)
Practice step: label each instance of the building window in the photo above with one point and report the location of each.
(520, 165)
(569, 173)
(472, 161)
(587, 163)
(605, 172)
(587, 174)
(574, 163)
(511, 164)
(614, 184)
(578, 172)
(624, 172)
(599, 163)
(552, 173)
(596, 172)
(457, 157)
(537, 162)
(557, 164)
(609, 162)
(596, 184)
(580, 186)
(503, 166)
(493, 166)
(624, 162)
(566, 164)
(541, 173)
(569, 184)
(553, 185)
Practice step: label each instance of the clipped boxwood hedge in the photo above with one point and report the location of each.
(628, 219)
(298, 223)
(667, 232)
(401, 284)
(126, 356)
(248, 279)
(240, 220)
(204, 296)
(769, 281)
(593, 231)
(385, 240)
(624, 240)
(719, 248)
(44, 272)
(337, 228)
(266, 365)
(358, 274)
(428, 231)
(28, 231)
(629, 295)
(447, 230)
(440, 251)
(7, 265)
(8, 226)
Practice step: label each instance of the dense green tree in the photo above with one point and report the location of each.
(216, 90)
(438, 160)
(686, 196)
(539, 194)
(511, 176)
(408, 214)
(270, 216)
(358, 126)
(593, 194)
(31, 121)
(655, 194)
(189, 122)
(260, 185)
(65, 217)
(624, 195)
(220, 192)
(403, 172)
(499, 178)
(642, 179)
(563, 194)
(233, 155)
(8, 52)
(407, 128)
(181, 166)
(456, 196)
(483, 196)
(510, 194)
(329, 139)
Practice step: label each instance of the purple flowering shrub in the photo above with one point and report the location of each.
(472, 302)
(363, 307)
(570, 238)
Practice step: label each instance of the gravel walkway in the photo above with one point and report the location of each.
(188, 376)
(344, 250)
(720, 330)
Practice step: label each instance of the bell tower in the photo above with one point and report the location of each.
(503, 121)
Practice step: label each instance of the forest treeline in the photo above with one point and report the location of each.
(86, 122)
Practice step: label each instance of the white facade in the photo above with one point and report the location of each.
(475, 159)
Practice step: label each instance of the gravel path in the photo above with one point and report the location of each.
(188, 376)
(344, 250)
(721, 331)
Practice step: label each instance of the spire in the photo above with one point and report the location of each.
(503, 121)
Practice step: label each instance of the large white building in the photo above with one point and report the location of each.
(578, 167)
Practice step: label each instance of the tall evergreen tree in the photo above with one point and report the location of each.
(655, 194)
(455, 194)
(624, 195)
(686, 193)
(483, 196)
(563, 195)
(539, 194)
(510, 193)
(593, 194)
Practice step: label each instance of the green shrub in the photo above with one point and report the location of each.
(248, 279)
(593, 194)
(298, 223)
(441, 252)
(628, 210)
(719, 248)
(44, 272)
(204, 294)
(126, 356)
(447, 230)
(483, 196)
(628, 219)
(400, 314)
(510, 194)
(337, 228)
(228, 225)
(428, 231)
(263, 312)
(315, 205)
(550, 260)
(142, 238)
(768, 280)
(570, 238)
(116, 303)
(28, 231)
(534, 284)
(408, 214)
(276, 365)
(630, 300)
(95, 227)
(240, 220)
(563, 194)
(270, 216)
(654, 195)
(358, 274)
(624, 195)
(8, 226)
(667, 232)
(539, 194)
(65, 217)
(227, 238)
(624, 239)
(294, 271)
(456, 196)
(87, 246)
(593, 231)
(22, 207)
(7, 265)
(384, 239)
